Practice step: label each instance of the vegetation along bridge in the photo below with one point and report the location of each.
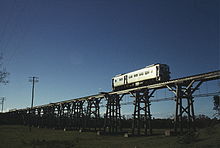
(71, 114)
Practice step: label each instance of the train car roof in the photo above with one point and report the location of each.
(135, 70)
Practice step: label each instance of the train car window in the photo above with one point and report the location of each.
(115, 80)
(147, 72)
(120, 79)
(141, 74)
(135, 75)
(130, 76)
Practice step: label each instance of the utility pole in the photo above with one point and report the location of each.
(2, 102)
(33, 80)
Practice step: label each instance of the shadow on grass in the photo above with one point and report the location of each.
(50, 144)
(188, 138)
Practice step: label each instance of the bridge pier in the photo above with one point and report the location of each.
(44, 114)
(142, 115)
(34, 117)
(31, 116)
(184, 91)
(93, 114)
(55, 116)
(46, 117)
(112, 122)
(65, 116)
(23, 115)
(37, 117)
(78, 115)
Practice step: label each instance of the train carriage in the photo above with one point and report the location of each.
(145, 76)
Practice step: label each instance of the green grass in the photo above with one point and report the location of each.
(20, 137)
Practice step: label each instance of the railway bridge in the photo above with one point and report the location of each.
(72, 115)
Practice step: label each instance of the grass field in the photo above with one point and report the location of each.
(20, 137)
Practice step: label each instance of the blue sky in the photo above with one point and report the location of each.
(75, 47)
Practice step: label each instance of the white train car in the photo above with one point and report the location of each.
(145, 76)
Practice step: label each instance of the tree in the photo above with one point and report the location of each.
(216, 101)
(3, 73)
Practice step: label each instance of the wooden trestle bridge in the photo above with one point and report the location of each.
(71, 114)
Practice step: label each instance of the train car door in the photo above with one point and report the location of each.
(126, 79)
(157, 73)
